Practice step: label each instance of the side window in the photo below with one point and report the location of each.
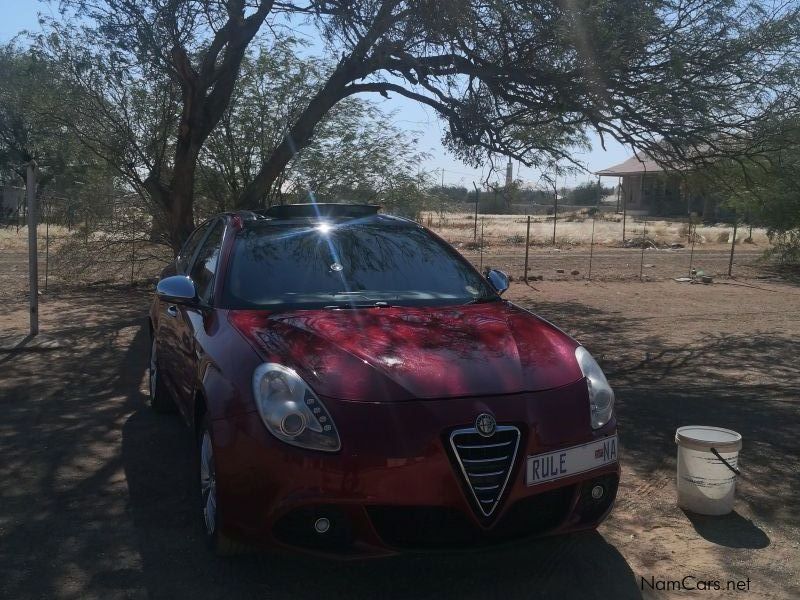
(190, 246)
(205, 266)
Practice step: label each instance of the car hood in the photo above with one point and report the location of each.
(404, 353)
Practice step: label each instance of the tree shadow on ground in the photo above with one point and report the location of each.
(746, 382)
(100, 501)
(102, 498)
(63, 510)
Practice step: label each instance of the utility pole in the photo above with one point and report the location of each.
(33, 265)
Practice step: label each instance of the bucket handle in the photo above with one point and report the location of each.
(725, 462)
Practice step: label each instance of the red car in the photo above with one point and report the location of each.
(357, 388)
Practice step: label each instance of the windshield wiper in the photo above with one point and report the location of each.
(379, 304)
(482, 300)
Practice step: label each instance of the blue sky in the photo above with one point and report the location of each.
(18, 15)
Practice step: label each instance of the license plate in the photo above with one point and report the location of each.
(571, 461)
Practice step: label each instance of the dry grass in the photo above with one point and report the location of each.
(12, 240)
(576, 229)
(77, 258)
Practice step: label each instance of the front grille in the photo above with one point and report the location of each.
(486, 463)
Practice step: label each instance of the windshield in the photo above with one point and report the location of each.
(352, 264)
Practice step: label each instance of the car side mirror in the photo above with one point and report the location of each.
(178, 289)
(498, 279)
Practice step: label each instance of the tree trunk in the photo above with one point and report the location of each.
(176, 200)
(301, 133)
(181, 192)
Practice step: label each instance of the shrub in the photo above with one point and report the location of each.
(785, 246)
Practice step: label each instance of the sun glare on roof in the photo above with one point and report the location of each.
(324, 228)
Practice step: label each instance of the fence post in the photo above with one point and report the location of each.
(33, 264)
(133, 247)
(591, 245)
(47, 242)
(527, 247)
(644, 242)
(480, 268)
(624, 215)
(475, 228)
(555, 211)
(733, 244)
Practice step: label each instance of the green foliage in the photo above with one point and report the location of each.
(765, 188)
(28, 130)
(452, 193)
(357, 152)
(586, 194)
(493, 204)
(786, 245)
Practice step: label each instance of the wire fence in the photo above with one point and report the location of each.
(100, 239)
(113, 238)
(590, 245)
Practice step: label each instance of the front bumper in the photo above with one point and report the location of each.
(395, 484)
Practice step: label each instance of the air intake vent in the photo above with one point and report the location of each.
(486, 463)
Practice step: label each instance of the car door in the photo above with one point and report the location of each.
(168, 337)
(191, 320)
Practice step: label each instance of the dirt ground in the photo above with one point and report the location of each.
(95, 496)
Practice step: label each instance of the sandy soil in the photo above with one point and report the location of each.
(96, 490)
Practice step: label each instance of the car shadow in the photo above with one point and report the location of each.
(157, 458)
(731, 530)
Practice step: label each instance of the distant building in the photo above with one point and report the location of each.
(647, 188)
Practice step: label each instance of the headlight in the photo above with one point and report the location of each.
(601, 396)
(291, 411)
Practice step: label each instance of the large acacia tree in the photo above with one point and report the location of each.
(523, 78)
(357, 152)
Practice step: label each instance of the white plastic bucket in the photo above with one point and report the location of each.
(706, 485)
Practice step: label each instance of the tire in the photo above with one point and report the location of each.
(160, 400)
(210, 515)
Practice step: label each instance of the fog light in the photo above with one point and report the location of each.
(597, 492)
(322, 525)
